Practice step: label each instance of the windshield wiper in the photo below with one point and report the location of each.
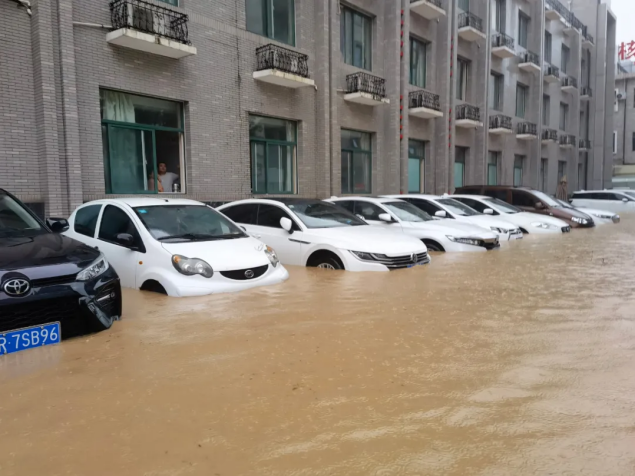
(200, 237)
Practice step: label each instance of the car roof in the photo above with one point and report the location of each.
(273, 201)
(482, 197)
(145, 201)
(414, 195)
(373, 199)
(603, 191)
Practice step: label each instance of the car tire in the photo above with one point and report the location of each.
(433, 246)
(326, 261)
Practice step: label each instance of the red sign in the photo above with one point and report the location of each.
(626, 51)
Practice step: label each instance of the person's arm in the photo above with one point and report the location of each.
(160, 185)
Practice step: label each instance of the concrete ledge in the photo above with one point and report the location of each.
(136, 40)
(469, 33)
(366, 99)
(280, 78)
(468, 124)
(426, 9)
(424, 112)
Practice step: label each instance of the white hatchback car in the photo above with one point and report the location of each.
(444, 207)
(617, 201)
(175, 246)
(317, 233)
(600, 217)
(531, 223)
(403, 217)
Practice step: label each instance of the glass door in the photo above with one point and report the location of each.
(131, 165)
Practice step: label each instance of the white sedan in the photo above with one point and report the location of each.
(444, 207)
(531, 223)
(319, 234)
(174, 246)
(600, 217)
(403, 217)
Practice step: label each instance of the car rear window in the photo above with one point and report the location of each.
(86, 220)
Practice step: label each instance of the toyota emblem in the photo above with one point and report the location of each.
(17, 287)
(249, 274)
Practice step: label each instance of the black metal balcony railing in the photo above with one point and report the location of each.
(149, 18)
(469, 112)
(586, 35)
(366, 83)
(530, 57)
(438, 3)
(423, 98)
(575, 22)
(500, 121)
(558, 7)
(566, 139)
(551, 70)
(276, 57)
(468, 19)
(586, 91)
(585, 144)
(502, 40)
(569, 81)
(526, 128)
(549, 134)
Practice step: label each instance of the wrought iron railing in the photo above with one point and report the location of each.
(569, 81)
(558, 7)
(149, 18)
(585, 144)
(549, 134)
(576, 23)
(469, 112)
(529, 57)
(467, 19)
(500, 121)
(566, 139)
(551, 70)
(527, 128)
(423, 98)
(586, 91)
(283, 59)
(502, 40)
(438, 3)
(587, 36)
(366, 83)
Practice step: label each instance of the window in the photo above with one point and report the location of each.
(356, 162)
(562, 169)
(633, 142)
(171, 2)
(564, 116)
(369, 211)
(428, 207)
(418, 62)
(546, 109)
(459, 166)
(16, 220)
(463, 67)
(523, 28)
(498, 15)
(274, 19)
(543, 174)
(615, 142)
(523, 199)
(416, 166)
(273, 145)
(564, 58)
(246, 214)
(115, 221)
(492, 168)
(519, 160)
(142, 142)
(496, 84)
(356, 38)
(522, 93)
(86, 220)
(547, 47)
(270, 215)
(581, 180)
(349, 205)
(464, 5)
(475, 204)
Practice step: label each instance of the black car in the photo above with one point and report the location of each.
(46, 277)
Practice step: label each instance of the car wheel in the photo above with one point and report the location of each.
(432, 246)
(326, 262)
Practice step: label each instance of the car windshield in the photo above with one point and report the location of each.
(407, 212)
(563, 204)
(501, 206)
(630, 194)
(457, 207)
(187, 223)
(546, 199)
(324, 215)
(15, 220)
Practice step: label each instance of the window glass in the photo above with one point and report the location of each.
(564, 59)
(457, 208)
(543, 174)
(502, 206)
(115, 221)
(546, 109)
(124, 107)
(349, 205)
(523, 199)
(498, 15)
(86, 220)
(564, 113)
(418, 62)
(318, 214)
(475, 204)
(518, 170)
(492, 168)
(246, 214)
(562, 169)
(547, 47)
(270, 215)
(464, 5)
(459, 166)
(496, 91)
(543, 197)
(256, 17)
(355, 38)
(14, 219)
(407, 212)
(368, 210)
(356, 162)
(523, 28)
(521, 99)
(463, 78)
(416, 166)
(272, 18)
(428, 207)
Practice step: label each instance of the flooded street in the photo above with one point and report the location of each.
(511, 362)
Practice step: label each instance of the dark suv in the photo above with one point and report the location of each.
(530, 200)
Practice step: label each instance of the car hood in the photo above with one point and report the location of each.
(570, 212)
(487, 221)
(44, 255)
(529, 218)
(365, 238)
(222, 255)
(453, 228)
(593, 211)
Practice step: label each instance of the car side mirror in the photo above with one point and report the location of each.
(57, 225)
(385, 217)
(539, 206)
(243, 228)
(488, 211)
(625, 200)
(441, 214)
(286, 224)
(126, 240)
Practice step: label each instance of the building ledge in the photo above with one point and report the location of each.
(566, 146)
(569, 30)
(469, 33)
(426, 9)
(531, 67)
(280, 78)
(526, 136)
(503, 52)
(425, 112)
(148, 43)
(553, 16)
(568, 89)
(366, 99)
(468, 123)
(551, 78)
(500, 131)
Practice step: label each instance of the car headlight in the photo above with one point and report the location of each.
(600, 215)
(498, 230)
(539, 224)
(362, 255)
(192, 266)
(273, 257)
(96, 268)
(464, 241)
(580, 221)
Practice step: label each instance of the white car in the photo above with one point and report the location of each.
(174, 246)
(600, 217)
(317, 233)
(403, 217)
(444, 207)
(617, 201)
(531, 223)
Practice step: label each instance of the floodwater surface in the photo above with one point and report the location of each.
(514, 362)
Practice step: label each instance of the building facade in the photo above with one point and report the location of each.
(218, 100)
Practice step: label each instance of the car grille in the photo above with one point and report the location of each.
(108, 298)
(566, 229)
(38, 283)
(33, 313)
(491, 245)
(399, 262)
(244, 275)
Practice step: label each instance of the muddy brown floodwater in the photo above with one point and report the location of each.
(517, 362)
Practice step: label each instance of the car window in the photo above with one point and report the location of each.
(630, 195)
(368, 210)
(86, 220)
(496, 193)
(457, 208)
(428, 207)
(270, 215)
(318, 214)
(468, 191)
(617, 196)
(115, 221)
(502, 206)
(349, 205)
(544, 198)
(407, 212)
(475, 204)
(523, 199)
(246, 213)
(15, 220)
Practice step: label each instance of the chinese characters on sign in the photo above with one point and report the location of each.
(626, 51)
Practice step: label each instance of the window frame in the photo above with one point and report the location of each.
(423, 46)
(523, 18)
(492, 154)
(633, 142)
(544, 172)
(565, 57)
(562, 167)
(463, 67)
(420, 145)
(366, 56)
(520, 87)
(267, 7)
(547, 53)
(519, 159)
(546, 110)
(498, 82)
(140, 247)
(368, 153)
(564, 116)
(460, 160)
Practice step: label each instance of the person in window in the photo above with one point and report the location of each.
(167, 179)
(151, 183)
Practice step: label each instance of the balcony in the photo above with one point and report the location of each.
(549, 135)
(430, 9)
(470, 27)
(500, 124)
(587, 39)
(530, 62)
(424, 104)
(364, 88)
(555, 11)
(468, 116)
(552, 73)
(526, 131)
(502, 45)
(150, 28)
(282, 67)
(566, 141)
(586, 93)
(569, 84)
(584, 144)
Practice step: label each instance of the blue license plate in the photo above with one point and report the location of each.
(29, 337)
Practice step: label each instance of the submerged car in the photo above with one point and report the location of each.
(49, 281)
(612, 200)
(403, 217)
(176, 247)
(319, 234)
(600, 217)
